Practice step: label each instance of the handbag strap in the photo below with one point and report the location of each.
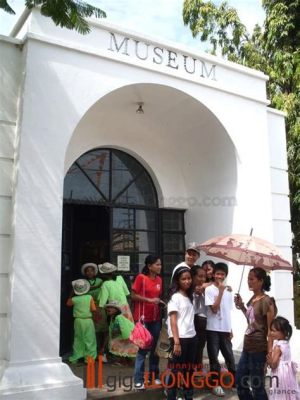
(143, 291)
(144, 294)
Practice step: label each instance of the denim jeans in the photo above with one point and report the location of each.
(250, 370)
(220, 341)
(139, 369)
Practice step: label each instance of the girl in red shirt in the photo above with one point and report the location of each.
(146, 292)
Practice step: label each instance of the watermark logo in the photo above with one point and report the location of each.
(195, 379)
(204, 201)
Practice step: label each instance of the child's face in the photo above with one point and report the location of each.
(185, 281)
(209, 271)
(200, 277)
(219, 276)
(89, 273)
(111, 311)
(155, 268)
(275, 334)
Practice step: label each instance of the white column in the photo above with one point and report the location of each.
(34, 369)
(31, 367)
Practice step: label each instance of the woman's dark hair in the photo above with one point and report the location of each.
(208, 262)
(211, 264)
(220, 266)
(174, 287)
(148, 261)
(273, 302)
(195, 269)
(282, 324)
(261, 275)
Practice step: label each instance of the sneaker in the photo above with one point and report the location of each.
(157, 381)
(104, 358)
(218, 391)
(139, 386)
(116, 364)
(177, 398)
(74, 362)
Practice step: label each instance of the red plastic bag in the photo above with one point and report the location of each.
(140, 336)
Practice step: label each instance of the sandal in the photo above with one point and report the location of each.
(218, 391)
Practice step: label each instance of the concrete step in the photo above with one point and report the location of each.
(117, 381)
(154, 394)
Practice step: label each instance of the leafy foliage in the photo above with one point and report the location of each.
(297, 303)
(69, 14)
(6, 7)
(273, 49)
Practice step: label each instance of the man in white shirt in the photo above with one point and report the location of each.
(218, 298)
(192, 254)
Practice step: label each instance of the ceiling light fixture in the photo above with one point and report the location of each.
(140, 110)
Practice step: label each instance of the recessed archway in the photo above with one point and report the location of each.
(111, 213)
(181, 143)
(184, 149)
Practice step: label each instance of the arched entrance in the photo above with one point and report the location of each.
(111, 213)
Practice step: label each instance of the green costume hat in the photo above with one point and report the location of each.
(91, 265)
(81, 286)
(107, 268)
(114, 304)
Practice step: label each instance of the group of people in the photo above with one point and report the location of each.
(199, 305)
(102, 316)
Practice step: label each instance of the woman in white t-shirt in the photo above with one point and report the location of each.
(181, 331)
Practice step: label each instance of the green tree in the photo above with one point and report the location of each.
(69, 14)
(272, 48)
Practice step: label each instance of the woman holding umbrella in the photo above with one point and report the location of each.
(259, 312)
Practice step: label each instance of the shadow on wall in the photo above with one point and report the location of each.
(35, 297)
(180, 142)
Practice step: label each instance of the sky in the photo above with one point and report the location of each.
(161, 19)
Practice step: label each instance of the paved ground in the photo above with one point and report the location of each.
(117, 381)
(151, 394)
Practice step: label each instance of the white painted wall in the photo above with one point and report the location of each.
(282, 280)
(200, 139)
(10, 81)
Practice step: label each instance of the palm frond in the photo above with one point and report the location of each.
(6, 7)
(69, 14)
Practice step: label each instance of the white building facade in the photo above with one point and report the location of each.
(206, 157)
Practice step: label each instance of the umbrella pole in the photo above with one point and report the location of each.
(243, 268)
(241, 279)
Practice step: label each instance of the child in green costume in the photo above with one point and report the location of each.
(113, 288)
(84, 344)
(120, 329)
(90, 271)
